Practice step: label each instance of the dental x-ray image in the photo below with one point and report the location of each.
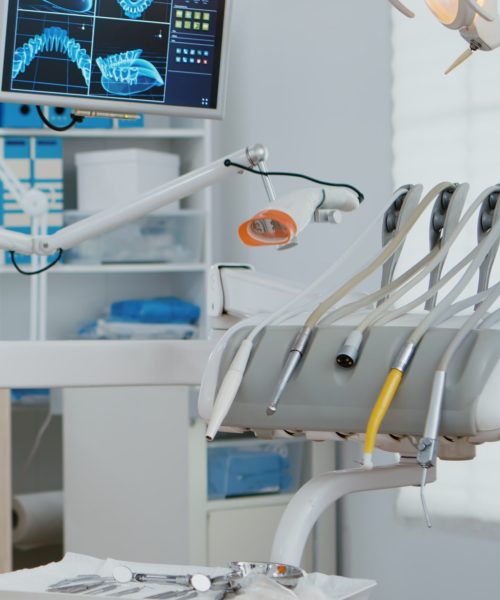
(135, 10)
(73, 6)
(52, 53)
(130, 60)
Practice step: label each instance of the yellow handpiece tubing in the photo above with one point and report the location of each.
(381, 407)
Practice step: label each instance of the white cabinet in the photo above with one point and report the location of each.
(78, 293)
(135, 476)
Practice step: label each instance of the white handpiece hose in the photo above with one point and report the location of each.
(483, 249)
(384, 255)
(451, 311)
(388, 316)
(353, 307)
(491, 319)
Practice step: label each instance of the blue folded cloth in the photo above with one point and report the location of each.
(157, 310)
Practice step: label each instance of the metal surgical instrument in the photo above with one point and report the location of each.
(197, 581)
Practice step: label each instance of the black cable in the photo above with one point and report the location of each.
(74, 121)
(46, 268)
(230, 163)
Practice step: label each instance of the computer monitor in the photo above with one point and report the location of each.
(125, 56)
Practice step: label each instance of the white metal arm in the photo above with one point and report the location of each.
(117, 216)
(307, 505)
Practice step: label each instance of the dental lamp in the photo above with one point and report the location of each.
(477, 21)
(298, 209)
(283, 219)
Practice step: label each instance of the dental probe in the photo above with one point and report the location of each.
(301, 340)
(225, 397)
(405, 356)
(349, 352)
(428, 445)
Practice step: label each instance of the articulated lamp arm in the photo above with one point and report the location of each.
(117, 216)
(33, 202)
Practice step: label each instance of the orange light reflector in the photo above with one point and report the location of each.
(268, 228)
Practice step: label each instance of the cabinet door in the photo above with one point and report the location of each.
(246, 534)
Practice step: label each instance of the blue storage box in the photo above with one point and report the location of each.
(18, 116)
(253, 468)
(124, 123)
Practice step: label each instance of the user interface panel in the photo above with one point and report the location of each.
(165, 52)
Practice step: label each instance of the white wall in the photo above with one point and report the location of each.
(311, 80)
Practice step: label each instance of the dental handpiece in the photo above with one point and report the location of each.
(428, 444)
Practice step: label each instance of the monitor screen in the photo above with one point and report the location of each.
(154, 56)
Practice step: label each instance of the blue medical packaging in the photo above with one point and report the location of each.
(19, 116)
(240, 471)
(157, 310)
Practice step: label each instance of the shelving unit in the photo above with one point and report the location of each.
(135, 458)
(79, 293)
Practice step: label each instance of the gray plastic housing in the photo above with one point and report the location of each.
(325, 397)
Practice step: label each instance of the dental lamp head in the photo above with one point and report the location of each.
(283, 219)
(477, 21)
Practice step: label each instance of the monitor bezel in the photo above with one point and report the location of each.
(116, 106)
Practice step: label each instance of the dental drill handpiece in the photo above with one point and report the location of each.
(428, 445)
(293, 359)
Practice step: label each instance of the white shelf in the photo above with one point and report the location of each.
(115, 268)
(249, 502)
(133, 132)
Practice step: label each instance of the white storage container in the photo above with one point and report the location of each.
(173, 238)
(109, 177)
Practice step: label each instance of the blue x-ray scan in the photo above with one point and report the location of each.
(79, 6)
(52, 39)
(126, 74)
(71, 6)
(134, 9)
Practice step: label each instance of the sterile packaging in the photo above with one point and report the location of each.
(174, 238)
(252, 467)
(112, 177)
(116, 330)
(166, 318)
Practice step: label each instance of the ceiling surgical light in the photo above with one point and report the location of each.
(477, 21)
(456, 14)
